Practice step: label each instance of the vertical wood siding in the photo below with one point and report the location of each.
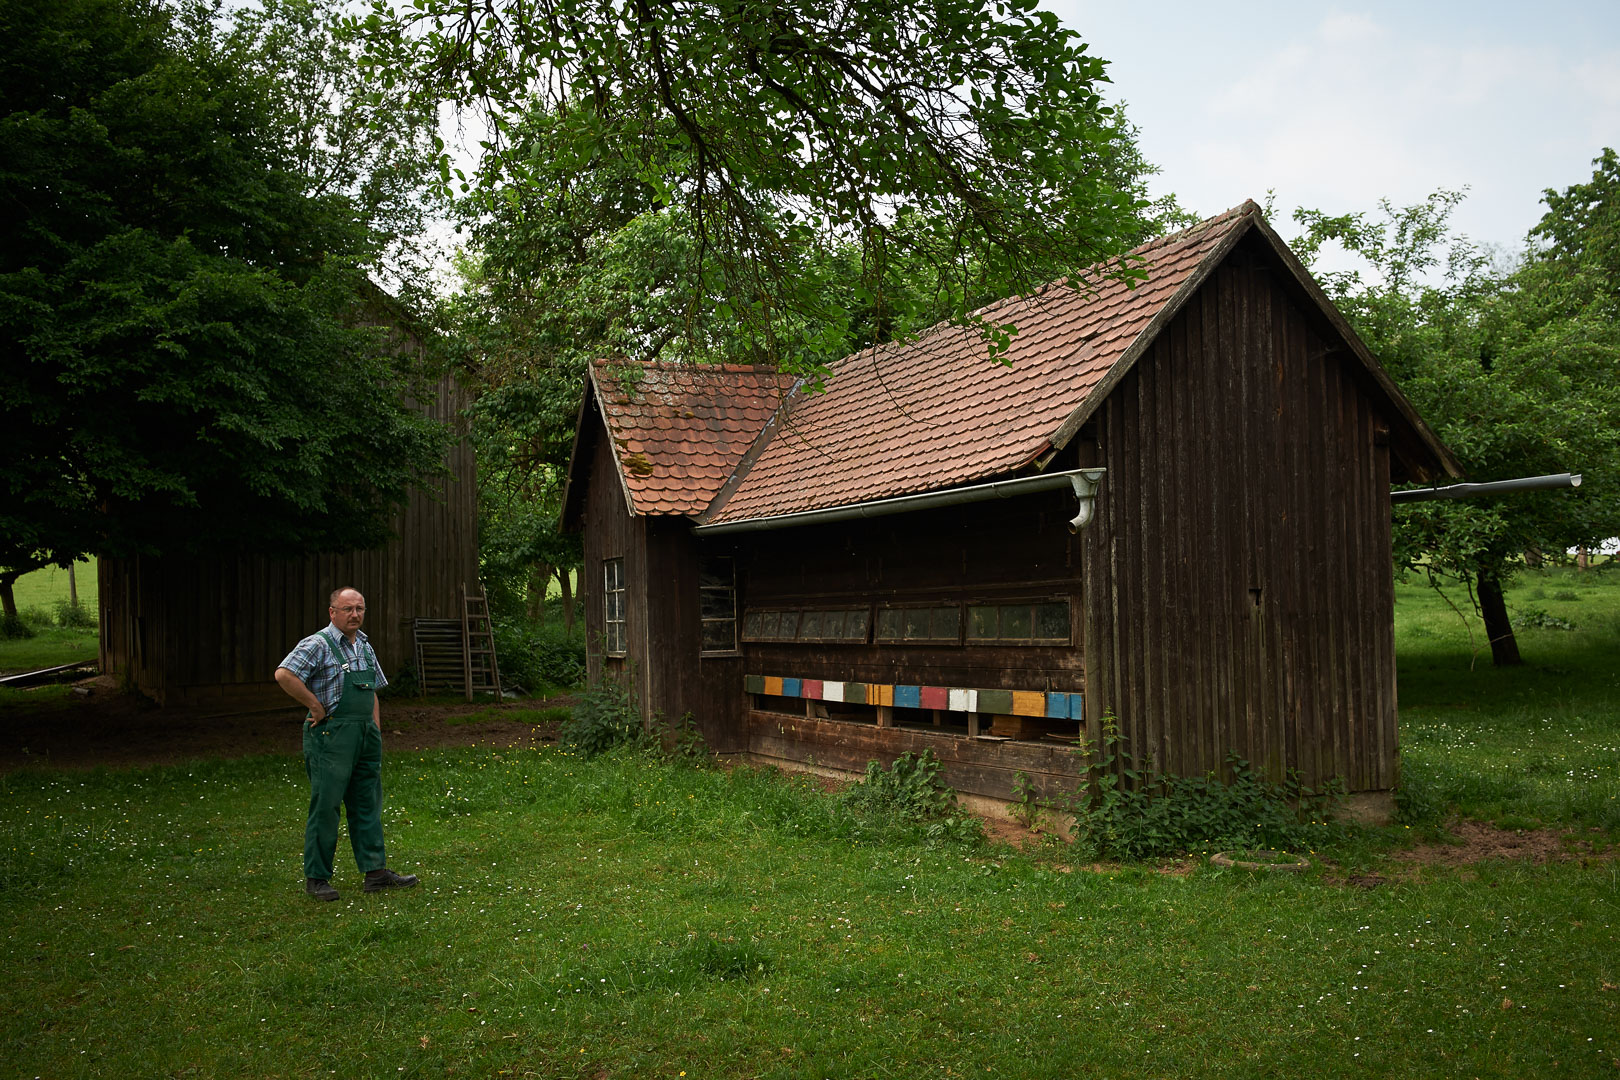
(1239, 566)
(611, 533)
(999, 550)
(213, 627)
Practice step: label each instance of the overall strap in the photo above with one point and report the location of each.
(337, 651)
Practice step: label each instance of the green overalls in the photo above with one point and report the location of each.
(343, 756)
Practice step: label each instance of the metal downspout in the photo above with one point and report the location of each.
(1492, 487)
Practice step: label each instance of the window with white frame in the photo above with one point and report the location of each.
(613, 596)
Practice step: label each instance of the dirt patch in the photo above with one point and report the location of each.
(1478, 841)
(116, 730)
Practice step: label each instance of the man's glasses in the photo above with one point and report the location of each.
(351, 610)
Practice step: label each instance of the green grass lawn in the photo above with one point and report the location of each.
(47, 648)
(627, 917)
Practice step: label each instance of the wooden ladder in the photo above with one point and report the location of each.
(478, 653)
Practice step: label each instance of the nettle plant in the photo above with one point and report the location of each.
(909, 789)
(605, 716)
(909, 792)
(1127, 811)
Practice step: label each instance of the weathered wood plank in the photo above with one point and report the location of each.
(966, 764)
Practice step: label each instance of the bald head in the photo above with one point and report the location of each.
(347, 609)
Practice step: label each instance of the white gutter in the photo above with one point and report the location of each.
(1083, 481)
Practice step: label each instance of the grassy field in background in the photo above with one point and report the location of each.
(630, 917)
(37, 595)
(1518, 746)
(47, 648)
(43, 588)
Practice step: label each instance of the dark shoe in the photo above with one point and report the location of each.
(378, 880)
(320, 888)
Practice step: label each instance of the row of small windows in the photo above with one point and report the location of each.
(1013, 622)
(843, 624)
(1009, 622)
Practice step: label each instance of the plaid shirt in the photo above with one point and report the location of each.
(312, 661)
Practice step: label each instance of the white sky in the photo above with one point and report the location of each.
(1335, 106)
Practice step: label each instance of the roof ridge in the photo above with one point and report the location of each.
(766, 435)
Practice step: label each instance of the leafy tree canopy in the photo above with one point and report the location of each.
(178, 303)
(963, 138)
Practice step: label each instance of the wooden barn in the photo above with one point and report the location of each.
(1171, 504)
(206, 630)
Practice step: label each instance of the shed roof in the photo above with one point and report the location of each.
(931, 413)
(934, 413)
(679, 431)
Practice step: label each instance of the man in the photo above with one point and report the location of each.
(334, 674)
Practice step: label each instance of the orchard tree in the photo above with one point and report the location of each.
(777, 181)
(1514, 370)
(177, 306)
(966, 137)
(348, 136)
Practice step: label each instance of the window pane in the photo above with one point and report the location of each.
(945, 623)
(1015, 621)
(789, 629)
(770, 623)
(981, 622)
(810, 626)
(716, 603)
(715, 574)
(855, 624)
(888, 624)
(717, 635)
(916, 624)
(751, 625)
(1052, 622)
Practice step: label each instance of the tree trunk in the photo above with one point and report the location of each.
(73, 588)
(8, 602)
(565, 578)
(1533, 558)
(1498, 627)
(1583, 559)
(10, 625)
(539, 579)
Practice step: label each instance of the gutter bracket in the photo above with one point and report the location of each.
(1084, 482)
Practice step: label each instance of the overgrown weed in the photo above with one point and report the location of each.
(1126, 811)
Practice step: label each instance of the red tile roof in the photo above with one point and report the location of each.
(679, 431)
(935, 413)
